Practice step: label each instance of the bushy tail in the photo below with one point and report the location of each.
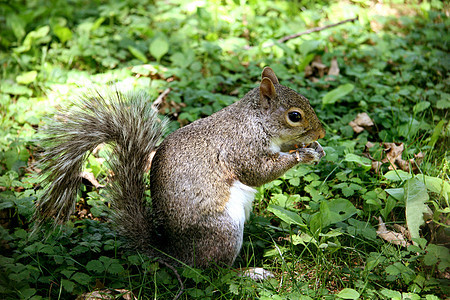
(125, 121)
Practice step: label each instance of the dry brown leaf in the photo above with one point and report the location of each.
(369, 145)
(308, 71)
(361, 122)
(376, 166)
(402, 230)
(91, 178)
(320, 67)
(107, 295)
(334, 69)
(392, 237)
(98, 148)
(394, 153)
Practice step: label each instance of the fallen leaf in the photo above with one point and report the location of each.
(361, 122)
(402, 230)
(308, 71)
(107, 294)
(392, 237)
(393, 154)
(91, 178)
(320, 67)
(369, 145)
(376, 166)
(334, 69)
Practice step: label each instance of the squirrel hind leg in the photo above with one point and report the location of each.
(205, 243)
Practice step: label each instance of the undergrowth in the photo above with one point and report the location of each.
(369, 221)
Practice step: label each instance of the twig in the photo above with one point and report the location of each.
(315, 29)
(178, 278)
(160, 98)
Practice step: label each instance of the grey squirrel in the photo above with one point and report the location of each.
(202, 176)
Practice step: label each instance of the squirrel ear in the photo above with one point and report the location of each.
(267, 93)
(269, 73)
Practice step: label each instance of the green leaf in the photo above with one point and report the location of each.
(436, 133)
(415, 197)
(348, 293)
(443, 104)
(309, 46)
(340, 210)
(361, 228)
(98, 23)
(421, 106)
(336, 94)
(27, 77)
(15, 89)
(95, 266)
(159, 47)
(348, 191)
(81, 278)
(115, 268)
(287, 216)
(35, 37)
(397, 175)
(63, 33)
(67, 273)
(398, 194)
(17, 25)
(393, 295)
(27, 293)
(364, 161)
(437, 254)
(21, 234)
(138, 54)
(303, 239)
(67, 285)
(234, 288)
(194, 274)
(436, 185)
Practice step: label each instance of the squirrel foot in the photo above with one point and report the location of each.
(257, 274)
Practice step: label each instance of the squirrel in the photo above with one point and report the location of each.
(202, 176)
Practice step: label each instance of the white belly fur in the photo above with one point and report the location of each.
(238, 208)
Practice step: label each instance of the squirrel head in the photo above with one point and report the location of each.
(292, 122)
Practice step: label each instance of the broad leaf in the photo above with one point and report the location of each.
(159, 47)
(397, 175)
(348, 293)
(287, 216)
(415, 197)
(336, 94)
(364, 161)
(27, 77)
(138, 54)
(436, 185)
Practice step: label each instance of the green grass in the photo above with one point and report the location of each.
(316, 226)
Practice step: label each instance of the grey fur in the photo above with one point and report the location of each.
(129, 124)
(246, 144)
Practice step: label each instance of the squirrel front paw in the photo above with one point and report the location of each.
(310, 154)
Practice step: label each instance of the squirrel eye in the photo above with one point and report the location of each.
(295, 116)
